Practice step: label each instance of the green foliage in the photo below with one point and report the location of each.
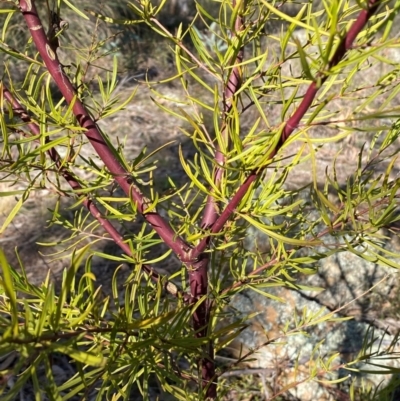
(248, 109)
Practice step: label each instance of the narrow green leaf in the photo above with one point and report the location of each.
(268, 230)
(8, 286)
(288, 18)
(12, 214)
(87, 358)
(75, 9)
(303, 60)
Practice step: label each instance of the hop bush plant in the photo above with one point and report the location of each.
(165, 326)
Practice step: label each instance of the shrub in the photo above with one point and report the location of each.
(256, 107)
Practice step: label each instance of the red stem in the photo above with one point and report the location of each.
(232, 86)
(76, 186)
(198, 274)
(122, 176)
(345, 45)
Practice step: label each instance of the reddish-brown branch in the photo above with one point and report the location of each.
(232, 86)
(344, 46)
(122, 176)
(198, 278)
(198, 273)
(76, 186)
